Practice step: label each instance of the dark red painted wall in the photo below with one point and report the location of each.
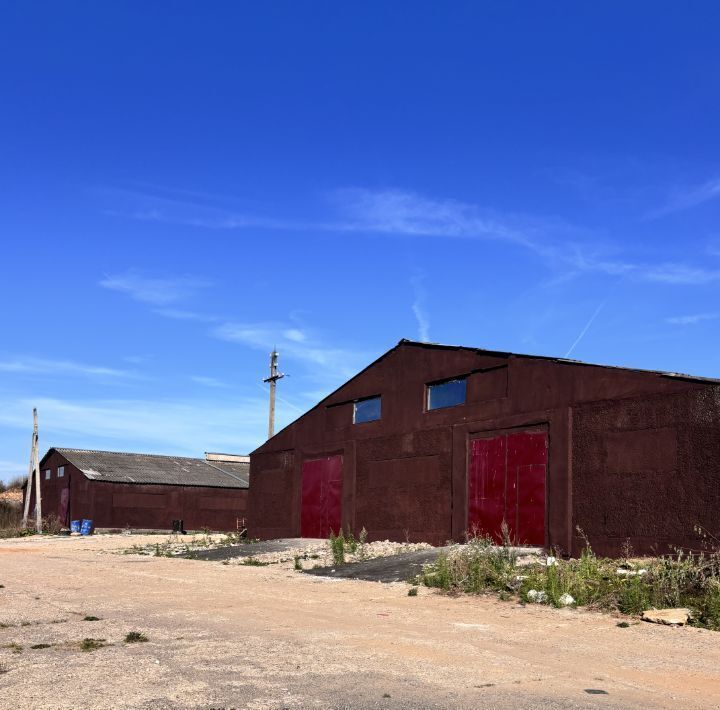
(405, 477)
(117, 505)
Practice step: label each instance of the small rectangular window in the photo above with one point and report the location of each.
(446, 394)
(48, 473)
(61, 471)
(367, 410)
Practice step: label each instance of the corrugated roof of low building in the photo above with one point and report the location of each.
(123, 467)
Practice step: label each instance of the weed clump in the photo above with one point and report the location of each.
(90, 644)
(337, 547)
(627, 585)
(135, 637)
(41, 645)
(254, 562)
(91, 618)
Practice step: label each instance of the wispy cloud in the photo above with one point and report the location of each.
(408, 213)
(207, 381)
(295, 334)
(154, 290)
(668, 272)
(568, 249)
(685, 198)
(175, 426)
(692, 319)
(329, 363)
(38, 366)
(417, 282)
(179, 314)
(585, 329)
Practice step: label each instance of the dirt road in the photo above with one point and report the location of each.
(223, 636)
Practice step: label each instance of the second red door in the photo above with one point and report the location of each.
(506, 482)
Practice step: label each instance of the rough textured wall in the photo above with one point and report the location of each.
(51, 491)
(404, 486)
(273, 498)
(646, 471)
(406, 474)
(117, 505)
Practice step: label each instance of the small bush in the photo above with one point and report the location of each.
(412, 592)
(91, 618)
(52, 525)
(337, 548)
(136, 637)
(298, 564)
(41, 645)
(90, 644)
(254, 562)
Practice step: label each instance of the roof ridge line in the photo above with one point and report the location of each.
(126, 453)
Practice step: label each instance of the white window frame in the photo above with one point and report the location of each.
(61, 471)
(48, 474)
(366, 399)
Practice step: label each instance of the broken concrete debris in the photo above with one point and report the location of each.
(671, 617)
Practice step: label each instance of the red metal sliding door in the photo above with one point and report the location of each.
(506, 481)
(321, 496)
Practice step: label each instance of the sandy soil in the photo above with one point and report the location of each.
(229, 636)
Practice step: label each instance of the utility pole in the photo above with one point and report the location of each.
(274, 377)
(34, 468)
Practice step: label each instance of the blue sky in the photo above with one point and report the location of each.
(185, 185)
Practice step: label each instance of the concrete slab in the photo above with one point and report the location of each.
(394, 568)
(250, 549)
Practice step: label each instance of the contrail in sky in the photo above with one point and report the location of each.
(585, 329)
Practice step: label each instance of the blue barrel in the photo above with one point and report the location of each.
(86, 527)
(74, 526)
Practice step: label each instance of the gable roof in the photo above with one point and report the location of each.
(547, 358)
(404, 342)
(122, 467)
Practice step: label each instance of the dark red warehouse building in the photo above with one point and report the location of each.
(117, 490)
(431, 441)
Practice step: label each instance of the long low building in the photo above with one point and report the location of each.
(119, 490)
(431, 442)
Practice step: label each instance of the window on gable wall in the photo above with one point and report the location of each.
(61, 471)
(367, 410)
(446, 394)
(48, 473)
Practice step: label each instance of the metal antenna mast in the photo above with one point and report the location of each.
(274, 377)
(34, 468)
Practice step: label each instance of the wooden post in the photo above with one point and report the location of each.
(274, 377)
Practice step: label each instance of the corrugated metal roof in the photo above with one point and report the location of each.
(120, 467)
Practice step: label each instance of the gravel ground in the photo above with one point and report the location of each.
(235, 636)
(309, 553)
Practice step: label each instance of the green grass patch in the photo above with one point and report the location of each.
(627, 585)
(254, 562)
(90, 644)
(136, 637)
